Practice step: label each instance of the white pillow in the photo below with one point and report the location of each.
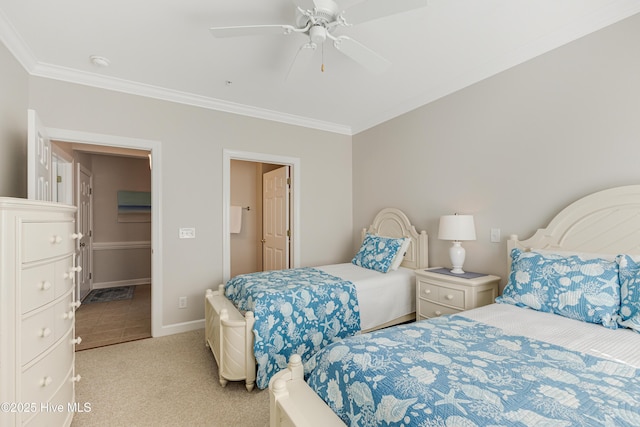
(400, 255)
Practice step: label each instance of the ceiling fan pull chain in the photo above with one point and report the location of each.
(322, 67)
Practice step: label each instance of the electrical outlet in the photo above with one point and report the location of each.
(495, 235)
(182, 302)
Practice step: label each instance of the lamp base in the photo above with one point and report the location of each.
(457, 255)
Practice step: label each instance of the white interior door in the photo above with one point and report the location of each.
(275, 219)
(38, 159)
(85, 226)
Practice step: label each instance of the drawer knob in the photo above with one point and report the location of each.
(427, 291)
(55, 239)
(45, 332)
(76, 304)
(76, 269)
(46, 381)
(449, 297)
(68, 315)
(438, 313)
(77, 340)
(77, 236)
(76, 378)
(44, 286)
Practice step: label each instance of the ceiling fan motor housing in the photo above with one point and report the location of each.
(325, 12)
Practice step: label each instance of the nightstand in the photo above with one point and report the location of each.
(438, 294)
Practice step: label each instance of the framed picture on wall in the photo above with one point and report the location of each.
(134, 206)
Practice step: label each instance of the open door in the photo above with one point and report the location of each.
(275, 228)
(38, 159)
(85, 227)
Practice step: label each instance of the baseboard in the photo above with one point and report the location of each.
(178, 328)
(116, 283)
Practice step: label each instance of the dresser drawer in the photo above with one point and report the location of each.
(442, 294)
(427, 309)
(64, 315)
(64, 274)
(44, 378)
(38, 333)
(52, 415)
(37, 287)
(43, 240)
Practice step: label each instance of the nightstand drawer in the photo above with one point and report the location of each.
(438, 294)
(442, 294)
(427, 309)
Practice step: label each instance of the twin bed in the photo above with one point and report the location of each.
(560, 347)
(382, 300)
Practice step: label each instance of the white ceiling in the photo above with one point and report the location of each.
(163, 49)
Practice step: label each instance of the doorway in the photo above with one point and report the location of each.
(114, 284)
(111, 142)
(293, 165)
(260, 217)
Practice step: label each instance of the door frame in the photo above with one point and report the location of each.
(78, 137)
(294, 164)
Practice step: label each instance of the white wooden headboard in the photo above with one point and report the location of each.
(606, 222)
(392, 222)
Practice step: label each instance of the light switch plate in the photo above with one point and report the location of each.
(187, 233)
(495, 235)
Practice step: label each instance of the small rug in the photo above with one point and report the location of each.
(109, 294)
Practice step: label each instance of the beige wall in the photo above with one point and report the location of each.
(118, 257)
(512, 150)
(192, 141)
(13, 125)
(244, 192)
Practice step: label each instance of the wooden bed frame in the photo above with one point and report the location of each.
(229, 334)
(606, 222)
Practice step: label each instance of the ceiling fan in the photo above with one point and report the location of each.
(318, 19)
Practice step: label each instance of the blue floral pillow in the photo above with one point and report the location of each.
(377, 252)
(629, 293)
(582, 289)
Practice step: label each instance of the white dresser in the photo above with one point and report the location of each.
(37, 306)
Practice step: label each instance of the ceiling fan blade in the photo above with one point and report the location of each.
(373, 9)
(302, 60)
(362, 54)
(251, 30)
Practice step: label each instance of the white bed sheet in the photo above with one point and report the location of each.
(622, 344)
(382, 297)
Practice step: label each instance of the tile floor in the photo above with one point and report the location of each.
(106, 323)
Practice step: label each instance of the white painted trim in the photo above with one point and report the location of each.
(125, 86)
(117, 283)
(112, 246)
(178, 328)
(65, 135)
(295, 163)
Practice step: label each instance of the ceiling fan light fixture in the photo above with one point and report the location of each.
(318, 34)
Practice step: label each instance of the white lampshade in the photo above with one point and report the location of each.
(457, 228)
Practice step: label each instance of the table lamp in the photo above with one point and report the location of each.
(457, 228)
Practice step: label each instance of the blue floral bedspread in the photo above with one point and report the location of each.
(299, 310)
(457, 372)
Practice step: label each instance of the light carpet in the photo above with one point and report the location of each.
(166, 381)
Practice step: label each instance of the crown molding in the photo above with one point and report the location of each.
(134, 88)
(19, 49)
